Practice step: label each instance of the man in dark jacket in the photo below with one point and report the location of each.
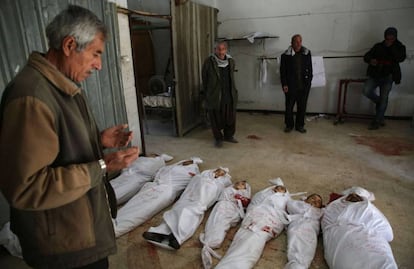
(383, 69)
(296, 77)
(51, 151)
(220, 94)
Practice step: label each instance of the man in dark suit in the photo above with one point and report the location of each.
(296, 77)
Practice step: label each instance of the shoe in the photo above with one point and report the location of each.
(156, 237)
(231, 140)
(374, 126)
(288, 129)
(218, 143)
(172, 242)
(301, 130)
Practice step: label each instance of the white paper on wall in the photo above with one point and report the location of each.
(263, 72)
(319, 79)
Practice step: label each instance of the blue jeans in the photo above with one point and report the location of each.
(381, 100)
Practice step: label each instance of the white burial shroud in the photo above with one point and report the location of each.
(356, 235)
(131, 179)
(226, 213)
(154, 196)
(187, 213)
(302, 233)
(263, 221)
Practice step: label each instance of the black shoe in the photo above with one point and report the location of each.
(218, 143)
(374, 126)
(231, 140)
(172, 241)
(288, 129)
(156, 237)
(301, 130)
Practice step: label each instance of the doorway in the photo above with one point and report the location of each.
(153, 69)
(168, 53)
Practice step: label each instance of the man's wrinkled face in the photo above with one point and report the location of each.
(297, 43)
(240, 185)
(221, 50)
(81, 64)
(389, 40)
(219, 173)
(353, 197)
(314, 200)
(280, 189)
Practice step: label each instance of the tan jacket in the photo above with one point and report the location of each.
(49, 147)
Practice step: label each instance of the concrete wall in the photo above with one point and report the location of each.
(127, 74)
(128, 79)
(330, 28)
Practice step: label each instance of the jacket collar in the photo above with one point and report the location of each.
(57, 78)
(216, 68)
(291, 52)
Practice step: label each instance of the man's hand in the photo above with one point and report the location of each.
(285, 89)
(119, 160)
(116, 137)
(373, 62)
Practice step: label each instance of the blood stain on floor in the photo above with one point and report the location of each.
(389, 146)
(255, 137)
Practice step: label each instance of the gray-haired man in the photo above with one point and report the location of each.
(220, 94)
(51, 151)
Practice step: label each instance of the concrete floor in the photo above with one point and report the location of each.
(327, 159)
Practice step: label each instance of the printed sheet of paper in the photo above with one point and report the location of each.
(319, 79)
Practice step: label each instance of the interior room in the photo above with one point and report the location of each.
(152, 79)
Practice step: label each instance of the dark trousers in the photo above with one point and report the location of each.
(101, 264)
(381, 100)
(223, 119)
(300, 98)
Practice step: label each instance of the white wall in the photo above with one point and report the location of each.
(121, 3)
(328, 28)
(153, 6)
(210, 3)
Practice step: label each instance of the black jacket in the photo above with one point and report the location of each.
(287, 69)
(212, 83)
(388, 60)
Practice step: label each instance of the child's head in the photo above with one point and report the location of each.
(353, 197)
(219, 173)
(358, 194)
(280, 189)
(240, 185)
(314, 200)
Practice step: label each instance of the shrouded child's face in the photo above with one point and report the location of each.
(353, 197)
(314, 200)
(280, 189)
(219, 173)
(240, 185)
